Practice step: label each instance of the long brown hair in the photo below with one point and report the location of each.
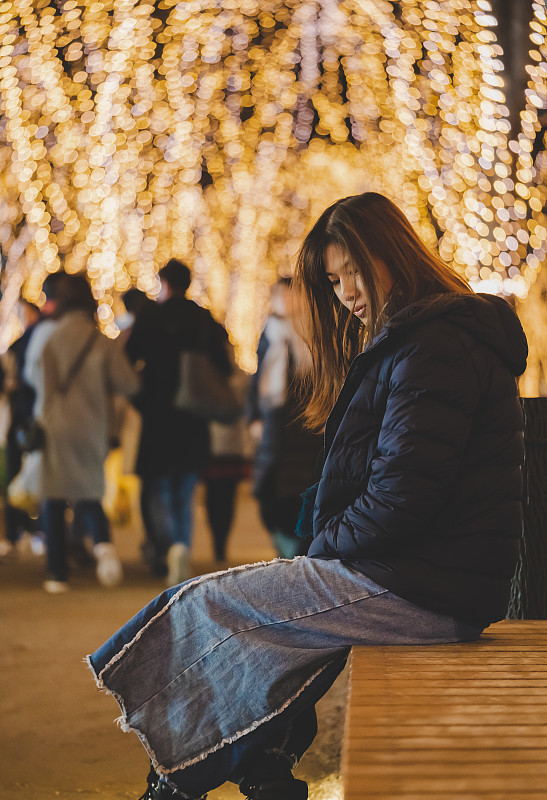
(365, 227)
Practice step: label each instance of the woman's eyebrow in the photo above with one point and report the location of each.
(345, 265)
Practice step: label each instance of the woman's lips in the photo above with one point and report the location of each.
(359, 311)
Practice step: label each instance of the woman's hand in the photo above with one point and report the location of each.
(256, 430)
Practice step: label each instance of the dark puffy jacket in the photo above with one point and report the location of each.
(172, 441)
(421, 486)
(286, 457)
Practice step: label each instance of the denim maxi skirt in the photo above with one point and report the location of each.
(217, 659)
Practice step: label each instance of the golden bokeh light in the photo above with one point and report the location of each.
(131, 132)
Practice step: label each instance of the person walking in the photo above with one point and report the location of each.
(286, 451)
(416, 519)
(26, 353)
(174, 445)
(21, 401)
(78, 373)
(231, 453)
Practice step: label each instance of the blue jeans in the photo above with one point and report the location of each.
(229, 665)
(167, 503)
(88, 516)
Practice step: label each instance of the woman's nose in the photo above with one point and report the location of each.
(347, 286)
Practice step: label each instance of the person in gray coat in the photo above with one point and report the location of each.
(75, 376)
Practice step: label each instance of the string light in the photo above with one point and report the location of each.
(133, 131)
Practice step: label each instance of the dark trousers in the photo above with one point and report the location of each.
(220, 495)
(88, 515)
(167, 504)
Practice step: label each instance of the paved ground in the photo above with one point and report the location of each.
(57, 736)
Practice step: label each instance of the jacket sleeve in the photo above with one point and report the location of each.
(252, 408)
(32, 369)
(432, 395)
(122, 377)
(135, 346)
(219, 346)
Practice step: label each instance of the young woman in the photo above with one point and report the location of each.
(416, 518)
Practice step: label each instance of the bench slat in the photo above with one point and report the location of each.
(464, 722)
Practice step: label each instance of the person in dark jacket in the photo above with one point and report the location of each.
(286, 451)
(416, 518)
(174, 445)
(21, 402)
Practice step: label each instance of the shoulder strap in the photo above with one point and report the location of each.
(78, 362)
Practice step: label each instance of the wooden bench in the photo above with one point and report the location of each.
(464, 721)
(450, 722)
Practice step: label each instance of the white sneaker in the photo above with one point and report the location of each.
(37, 545)
(178, 564)
(109, 568)
(55, 587)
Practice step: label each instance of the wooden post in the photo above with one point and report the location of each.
(529, 589)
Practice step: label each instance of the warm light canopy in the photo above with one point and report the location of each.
(216, 132)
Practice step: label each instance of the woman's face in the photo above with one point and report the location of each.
(348, 284)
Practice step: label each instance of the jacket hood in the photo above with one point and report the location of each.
(488, 318)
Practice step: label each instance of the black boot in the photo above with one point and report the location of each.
(159, 790)
(292, 789)
(270, 778)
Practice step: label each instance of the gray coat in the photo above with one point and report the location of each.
(76, 423)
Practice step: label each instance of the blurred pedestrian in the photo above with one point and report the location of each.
(121, 480)
(230, 463)
(134, 302)
(286, 451)
(21, 401)
(174, 446)
(78, 373)
(27, 352)
(31, 361)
